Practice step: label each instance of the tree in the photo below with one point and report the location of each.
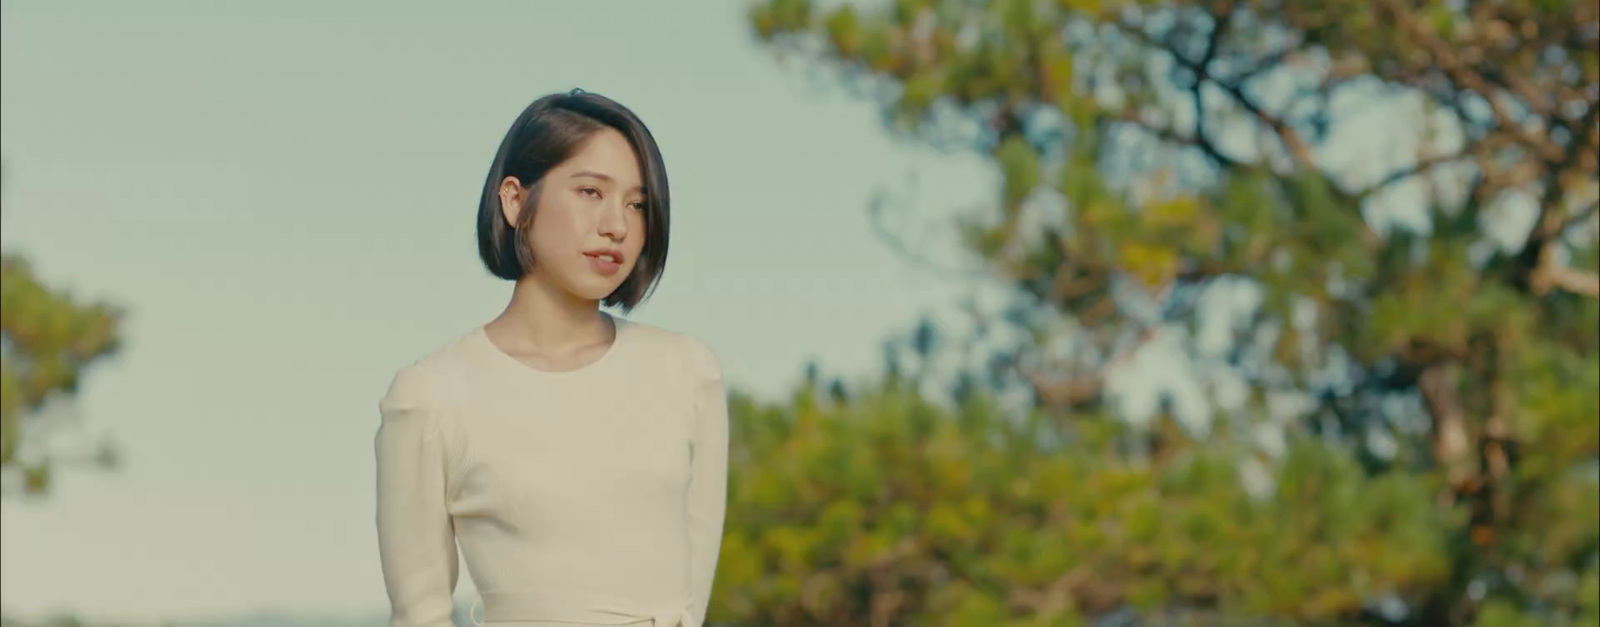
(1168, 171)
(886, 509)
(47, 341)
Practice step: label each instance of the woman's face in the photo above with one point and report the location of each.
(588, 228)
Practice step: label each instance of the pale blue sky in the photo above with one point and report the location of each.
(282, 195)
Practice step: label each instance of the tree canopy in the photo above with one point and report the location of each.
(1408, 300)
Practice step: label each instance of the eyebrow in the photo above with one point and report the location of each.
(604, 177)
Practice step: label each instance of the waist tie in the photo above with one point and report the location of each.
(578, 608)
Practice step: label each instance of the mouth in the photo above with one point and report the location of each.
(605, 261)
(612, 257)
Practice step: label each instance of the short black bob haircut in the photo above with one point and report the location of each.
(545, 135)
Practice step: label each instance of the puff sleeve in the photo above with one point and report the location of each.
(416, 537)
(707, 496)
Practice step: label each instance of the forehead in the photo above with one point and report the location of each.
(606, 152)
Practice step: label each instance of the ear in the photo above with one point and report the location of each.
(512, 197)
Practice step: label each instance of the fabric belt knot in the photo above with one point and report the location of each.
(578, 608)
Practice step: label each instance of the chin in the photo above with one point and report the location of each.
(596, 291)
(591, 286)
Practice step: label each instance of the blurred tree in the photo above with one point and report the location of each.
(1173, 170)
(47, 341)
(890, 510)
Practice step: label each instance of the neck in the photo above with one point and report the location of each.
(551, 319)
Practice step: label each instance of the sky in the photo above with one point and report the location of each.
(281, 196)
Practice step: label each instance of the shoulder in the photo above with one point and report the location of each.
(421, 383)
(677, 347)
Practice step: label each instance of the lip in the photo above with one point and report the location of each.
(606, 261)
(614, 253)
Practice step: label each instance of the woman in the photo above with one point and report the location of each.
(579, 459)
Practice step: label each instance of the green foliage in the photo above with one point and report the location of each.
(1447, 363)
(888, 506)
(47, 341)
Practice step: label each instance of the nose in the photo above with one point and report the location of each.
(614, 223)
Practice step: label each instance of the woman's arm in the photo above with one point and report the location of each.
(708, 484)
(416, 538)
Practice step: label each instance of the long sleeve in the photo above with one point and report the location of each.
(708, 484)
(416, 539)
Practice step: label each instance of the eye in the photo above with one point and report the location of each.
(637, 205)
(589, 191)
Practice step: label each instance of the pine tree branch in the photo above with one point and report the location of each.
(1220, 23)
(1572, 280)
(1420, 167)
(1267, 63)
(1580, 217)
(1449, 433)
(1169, 135)
(1550, 225)
(1543, 270)
(1445, 57)
(1298, 149)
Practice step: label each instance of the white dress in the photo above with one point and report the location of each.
(589, 497)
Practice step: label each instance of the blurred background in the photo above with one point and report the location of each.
(1076, 312)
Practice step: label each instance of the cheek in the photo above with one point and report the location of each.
(553, 228)
(636, 234)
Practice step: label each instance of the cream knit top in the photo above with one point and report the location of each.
(586, 497)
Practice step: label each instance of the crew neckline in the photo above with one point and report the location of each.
(620, 324)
